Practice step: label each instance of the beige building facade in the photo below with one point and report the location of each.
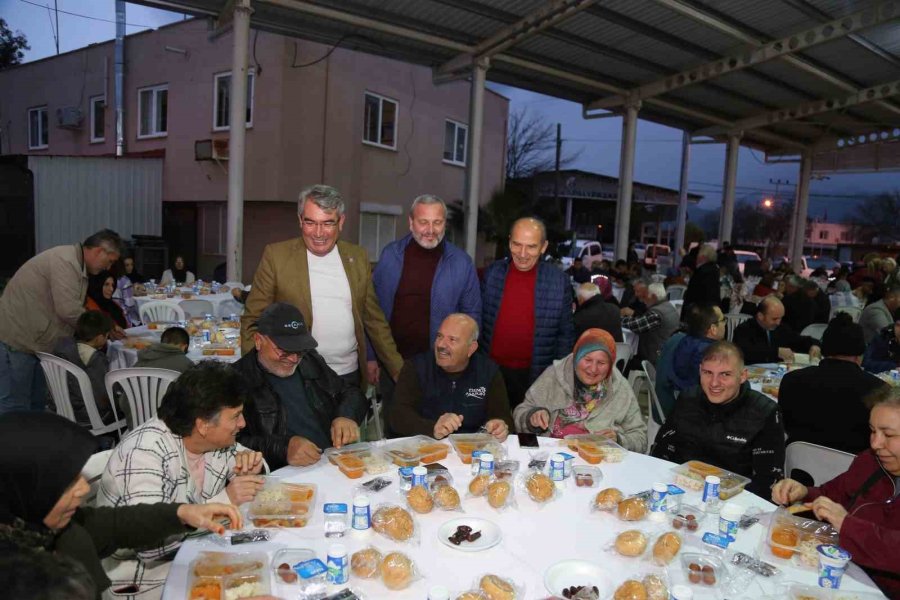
(377, 129)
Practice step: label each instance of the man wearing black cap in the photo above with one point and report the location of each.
(298, 405)
(824, 404)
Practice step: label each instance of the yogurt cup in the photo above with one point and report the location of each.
(729, 517)
(832, 563)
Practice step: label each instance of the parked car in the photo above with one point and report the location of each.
(640, 249)
(811, 263)
(589, 251)
(745, 256)
(655, 251)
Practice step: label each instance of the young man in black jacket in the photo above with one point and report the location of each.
(298, 405)
(725, 423)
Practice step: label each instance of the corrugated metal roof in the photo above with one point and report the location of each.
(615, 44)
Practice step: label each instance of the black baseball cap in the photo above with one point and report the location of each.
(283, 323)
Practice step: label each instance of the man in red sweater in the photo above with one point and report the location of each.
(526, 310)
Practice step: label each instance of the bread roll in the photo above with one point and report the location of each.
(608, 499)
(396, 571)
(631, 590)
(366, 563)
(420, 500)
(540, 487)
(631, 543)
(478, 485)
(497, 493)
(666, 547)
(446, 497)
(496, 588)
(632, 509)
(656, 588)
(394, 522)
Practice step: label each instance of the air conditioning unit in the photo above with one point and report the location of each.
(216, 150)
(69, 117)
(220, 149)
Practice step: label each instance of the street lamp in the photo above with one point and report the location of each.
(768, 203)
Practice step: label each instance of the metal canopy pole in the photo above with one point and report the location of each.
(626, 178)
(237, 133)
(681, 220)
(473, 166)
(732, 149)
(802, 210)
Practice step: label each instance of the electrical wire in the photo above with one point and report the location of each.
(258, 66)
(65, 12)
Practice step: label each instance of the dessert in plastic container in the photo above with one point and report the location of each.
(421, 448)
(703, 570)
(466, 443)
(220, 575)
(686, 519)
(795, 538)
(586, 477)
(282, 504)
(692, 475)
(299, 569)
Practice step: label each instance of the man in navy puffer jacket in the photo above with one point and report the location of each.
(526, 310)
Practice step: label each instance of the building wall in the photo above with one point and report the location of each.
(307, 124)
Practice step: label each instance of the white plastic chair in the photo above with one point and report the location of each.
(196, 307)
(732, 321)
(93, 472)
(161, 311)
(822, 463)
(623, 355)
(229, 307)
(652, 425)
(234, 284)
(375, 420)
(816, 330)
(144, 388)
(853, 311)
(676, 292)
(56, 371)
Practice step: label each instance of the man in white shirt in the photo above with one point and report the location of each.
(330, 281)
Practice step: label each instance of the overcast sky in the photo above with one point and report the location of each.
(658, 151)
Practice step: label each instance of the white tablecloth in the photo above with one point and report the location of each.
(216, 300)
(534, 537)
(121, 357)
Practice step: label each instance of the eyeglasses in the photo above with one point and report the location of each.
(284, 354)
(326, 225)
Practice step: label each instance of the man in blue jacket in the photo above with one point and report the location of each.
(420, 279)
(527, 310)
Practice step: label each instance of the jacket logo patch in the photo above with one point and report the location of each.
(736, 439)
(479, 393)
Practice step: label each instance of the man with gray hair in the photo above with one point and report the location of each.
(420, 279)
(452, 389)
(879, 315)
(703, 287)
(330, 281)
(595, 312)
(656, 325)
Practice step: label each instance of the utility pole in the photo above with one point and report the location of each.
(558, 154)
(56, 10)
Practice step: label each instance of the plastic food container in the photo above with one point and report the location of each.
(415, 450)
(356, 459)
(811, 592)
(595, 448)
(703, 570)
(281, 504)
(586, 477)
(292, 557)
(466, 443)
(692, 475)
(687, 518)
(796, 539)
(221, 575)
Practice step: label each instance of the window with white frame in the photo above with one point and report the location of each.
(98, 118)
(455, 139)
(377, 227)
(38, 128)
(153, 106)
(380, 126)
(222, 104)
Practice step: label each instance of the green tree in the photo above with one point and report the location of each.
(12, 46)
(693, 233)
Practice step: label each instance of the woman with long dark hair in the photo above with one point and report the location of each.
(178, 274)
(101, 288)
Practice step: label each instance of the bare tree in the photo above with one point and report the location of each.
(531, 145)
(877, 216)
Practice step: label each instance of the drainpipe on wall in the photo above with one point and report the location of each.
(120, 77)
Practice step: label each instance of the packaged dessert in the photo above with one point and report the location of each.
(398, 571)
(437, 477)
(282, 504)
(466, 443)
(497, 587)
(539, 487)
(686, 519)
(395, 523)
(692, 476)
(607, 499)
(702, 569)
(795, 539)
(417, 449)
(595, 448)
(221, 576)
(586, 476)
(506, 469)
(302, 571)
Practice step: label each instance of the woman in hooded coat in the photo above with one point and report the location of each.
(41, 490)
